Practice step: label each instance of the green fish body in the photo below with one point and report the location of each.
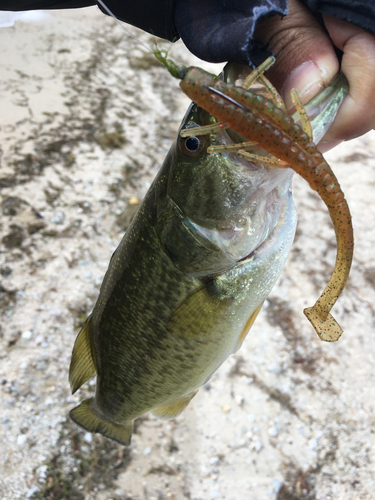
(185, 284)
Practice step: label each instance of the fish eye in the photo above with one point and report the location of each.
(192, 146)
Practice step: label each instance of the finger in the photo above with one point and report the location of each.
(305, 57)
(357, 114)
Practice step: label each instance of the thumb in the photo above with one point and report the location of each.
(305, 57)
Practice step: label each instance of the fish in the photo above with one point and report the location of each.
(186, 282)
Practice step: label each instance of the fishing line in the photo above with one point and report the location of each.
(227, 98)
(122, 26)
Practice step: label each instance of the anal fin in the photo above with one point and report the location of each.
(82, 365)
(85, 416)
(173, 409)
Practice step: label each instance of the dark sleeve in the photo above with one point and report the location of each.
(222, 30)
(358, 12)
(214, 30)
(154, 16)
(17, 5)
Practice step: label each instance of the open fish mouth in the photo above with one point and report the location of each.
(264, 192)
(241, 240)
(283, 231)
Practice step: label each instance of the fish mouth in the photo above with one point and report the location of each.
(280, 238)
(260, 208)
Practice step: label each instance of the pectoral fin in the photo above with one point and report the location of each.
(174, 408)
(198, 314)
(246, 329)
(82, 365)
(85, 416)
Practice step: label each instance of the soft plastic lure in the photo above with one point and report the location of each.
(266, 124)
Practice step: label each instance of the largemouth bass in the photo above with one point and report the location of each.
(185, 284)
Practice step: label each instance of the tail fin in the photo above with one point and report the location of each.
(82, 365)
(85, 416)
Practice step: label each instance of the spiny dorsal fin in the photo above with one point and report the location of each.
(86, 417)
(82, 365)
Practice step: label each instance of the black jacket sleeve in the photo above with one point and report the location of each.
(359, 12)
(154, 16)
(214, 30)
(17, 5)
(222, 30)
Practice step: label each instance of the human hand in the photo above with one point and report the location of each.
(306, 60)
